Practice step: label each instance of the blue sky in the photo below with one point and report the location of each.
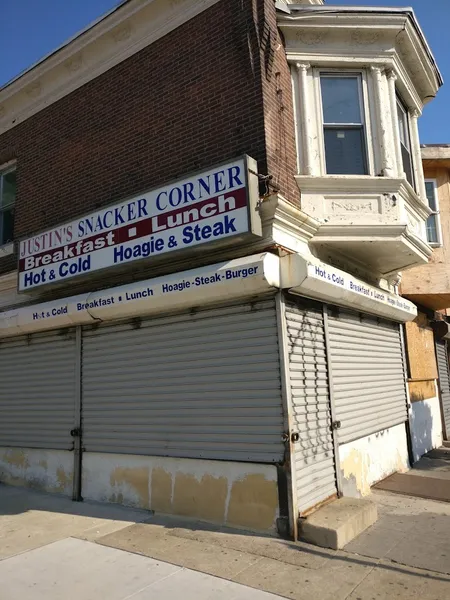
(32, 28)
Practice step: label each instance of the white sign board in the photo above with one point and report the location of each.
(207, 207)
(237, 278)
(322, 281)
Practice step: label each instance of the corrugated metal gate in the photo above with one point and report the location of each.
(199, 385)
(37, 391)
(314, 456)
(367, 369)
(444, 383)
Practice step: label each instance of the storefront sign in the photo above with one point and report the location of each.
(324, 282)
(242, 277)
(208, 207)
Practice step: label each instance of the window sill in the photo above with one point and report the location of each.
(7, 249)
(435, 244)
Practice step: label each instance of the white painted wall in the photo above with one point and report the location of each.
(426, 426)
(46, 470)
(368, 460)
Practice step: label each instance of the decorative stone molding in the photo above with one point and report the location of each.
(364, 37)
(310, 37)
(122, 33)
(34, 90)
(75, 63)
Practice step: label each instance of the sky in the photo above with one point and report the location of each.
(30, 29)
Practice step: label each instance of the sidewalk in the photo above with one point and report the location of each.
(429, 478)
(406, 554)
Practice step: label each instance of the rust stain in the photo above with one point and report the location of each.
(16, 458)
(136, 478)
(354, 481)
(253, 502)
(63, 479)
(161, 491)
(43, 464)
(421, 390)
(204, 498)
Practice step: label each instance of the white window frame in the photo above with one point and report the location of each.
(437, 244)
(7, 248)
(366, 116)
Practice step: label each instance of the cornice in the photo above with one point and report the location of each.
(123, 32)
(334, 37)
(341, 184)
(277, 213)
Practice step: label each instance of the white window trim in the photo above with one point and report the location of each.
(439, 243)
(8, 248)
(366, 116)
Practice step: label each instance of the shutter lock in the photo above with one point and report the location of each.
(75, 432)
(336, 425)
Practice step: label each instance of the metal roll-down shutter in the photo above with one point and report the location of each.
(199, 385)
(368, 375)
(37, 391)
(314, 459)
(444, 383)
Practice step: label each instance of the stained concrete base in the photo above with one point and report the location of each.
(337, 524)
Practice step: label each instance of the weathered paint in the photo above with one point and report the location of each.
(370, 459)
(239, 494)
(426, 426)
(47, 470)
(421, 390)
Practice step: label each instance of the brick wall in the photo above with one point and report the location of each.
(192, 99)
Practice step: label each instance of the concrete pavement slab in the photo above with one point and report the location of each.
(419, 553)
(335, 581)
(74, 569)
(30, 519)
(409, 531)
(195, 586)
(389, 581)
(153, 540)
(376, 542)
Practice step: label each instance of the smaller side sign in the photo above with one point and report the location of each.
(207, 207)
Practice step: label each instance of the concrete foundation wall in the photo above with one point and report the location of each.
(239, 494)
(426, 426)
(368, 460)
(46, 470)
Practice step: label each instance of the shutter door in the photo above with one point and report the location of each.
(367, 368)
(37, 392)
(444, 383)
(204, 385)
(314, 454)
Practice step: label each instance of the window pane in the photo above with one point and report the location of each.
(432, 235)
(7, 226)
(402, 125)
(340, 99)
(429, 186)
(344, 151)
(9, 189)
(407, 164)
